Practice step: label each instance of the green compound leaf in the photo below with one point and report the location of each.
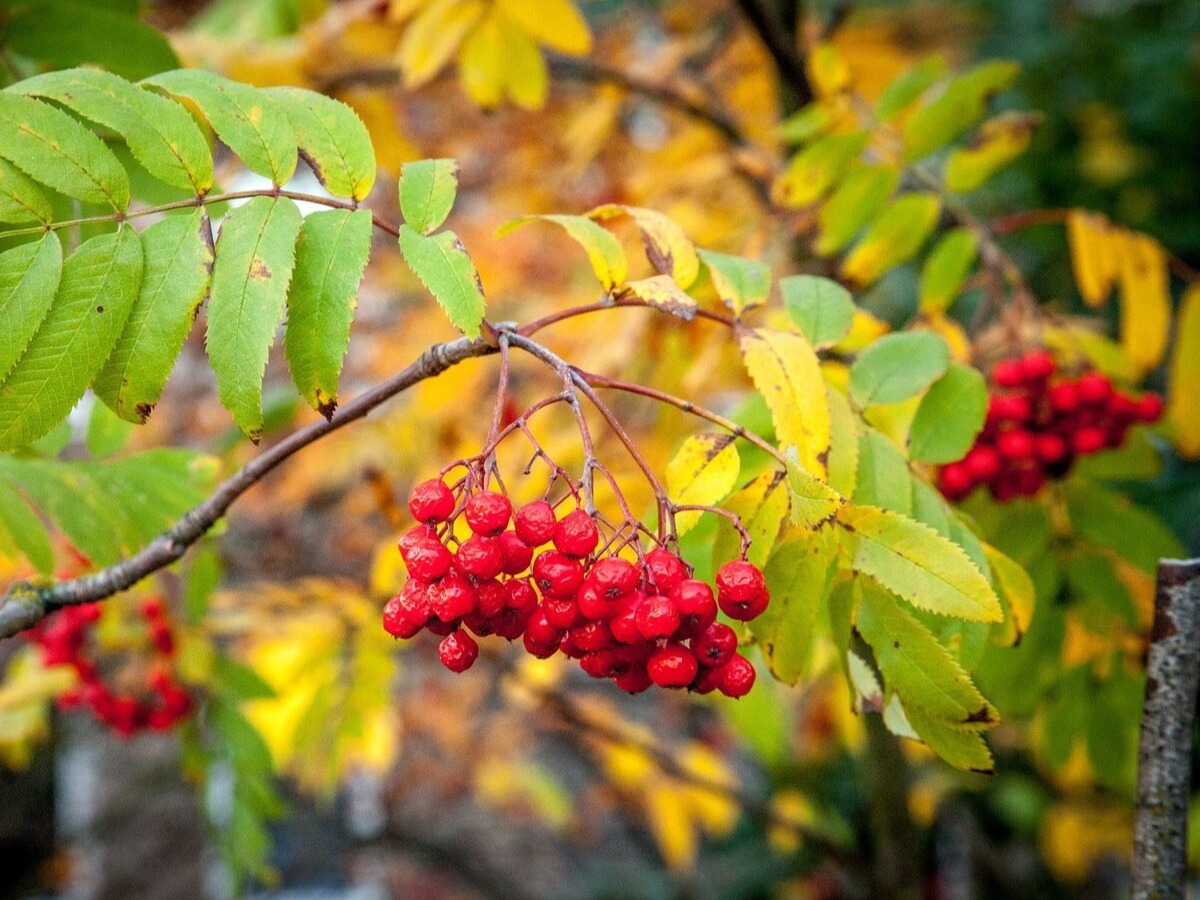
(740, 283)
(821, 308)
(428, 188)
(21, 200)
(29, 277)
(443, 266)
(898, 366)
(949, 417)
(332, 139)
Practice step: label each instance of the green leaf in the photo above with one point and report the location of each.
(1109, 520)
(915, 665)
(821, 308)
(25, 530)
(67, 495)
(816, 168)
(21, 200)
(883, 477)
(51, 147)
(914, 561)
(950, 416)
(604, 251)
(331, 257)
(843, 444)
(947, 268)
(1017, 595)
(1094, 581)
(997, 143)
(813, 502)
(740, 283)
(161, 135)
(99, 284)
(442, 264)
(74, 32)
(332, 138)
(963, 748)
(798, 575)
(898, 366)
(178, 266)
(428, 188)
(29, 277)
(960, 106)
(701, 473)
(249, 122)
(804, 124)
(255, 255)
(857, 201)
(106, 432)
(894, 238)
(762, 504)
(909, 85)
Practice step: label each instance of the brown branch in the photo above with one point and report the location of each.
(24, 603)
(1165, 749)
(781, 44)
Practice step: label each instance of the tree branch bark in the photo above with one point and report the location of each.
(1165, 750)
(781, 44)
(24, 604)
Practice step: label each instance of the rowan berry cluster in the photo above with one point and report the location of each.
(532, 575)
(1038, 423)
(159, 703)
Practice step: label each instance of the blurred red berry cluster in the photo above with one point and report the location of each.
(638, 623)
(158, 705)
(1038, 423)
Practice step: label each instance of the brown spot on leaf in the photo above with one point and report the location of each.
(99, 309)
(144, 410)
(327, 408)
(259, 269)
(982, 715)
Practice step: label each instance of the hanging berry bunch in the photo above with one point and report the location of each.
(149, 698)
(564, 578)
(1038, 423)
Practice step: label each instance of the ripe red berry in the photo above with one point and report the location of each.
(614, 576)
(657, 617)
(672, 666)
(1051, 448)
(741, 591)
(1064, 397)
(634, 680)
(624, 625)
(431, 501)
(1148, 408)
(1008, 373)
(982, 462)
(491, 597)
(715, 646)
(696, 604)
(706, 681)
(1037, 366)
(955, 480)
(520, 595)
(427, 560)
(561, 612)
(480, 556)
(593, 602)
(557, 574)
(1088, 440)
(398, 621)
(488, 513)
(541, 630)
(152, 608)
(1094, 388)
(535, 522)
(452, 598)
(1029, 481)
(517, 554)
(576, 535)
(737, 678)
(458, 651)
(1010, 408)
(591, 636)
(1016, 445)
(663, 570)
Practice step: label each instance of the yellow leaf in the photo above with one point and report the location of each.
(603, 249)
(827, 71)
(997, 142)
(481, 64)
(671, 822)
(1145, 300)
(555, 23)
(1183, 410)
(843, 442)
(526, 79)
(864, 330)
(702, 473)
(1076, 339)
(814, 503)
(433, 36)
(786, 371)
(815, 169)
(1093, 260)
(762, 505)
(663, 293)
(668, 248)
(1016, 592)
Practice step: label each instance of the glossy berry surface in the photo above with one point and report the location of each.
(431, 501)
(488, 513)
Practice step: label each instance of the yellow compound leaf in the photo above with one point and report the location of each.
(555, 23)
(996, 143)
(762, 505)
(828, 71)
(786, 371)
(526, 79)
(1017, 595)
(1145, 301)
(433, 36)
(481, 63)
(915, 562)
(1089, 238)
(604, 251)
(668, 248)
(894, 238)
(1184, 377)
(663, 293)
(702, 473)
(814, 503)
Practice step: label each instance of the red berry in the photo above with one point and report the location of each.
(624, 625)
(427, 560)
(663, 570)
(1037, 366)
(576, 535)
(520, 595)
(1009, 408)
(1088, 440)
(1094, 388)
(706, 681)
(517, 554)
(1008, 373)
(1064, 397)
(488, 513)
(415, 534)
(452, 598)
(614, 576)
(481, 556)
(657, 617)
(716, 645)
(414, 597)
(1016, 444)
(534, 523)
(1051, 448)
(634, 680)
(431, 501)
(491, 597)
(982, 462)
(955, 480)
(398, 621)
(1029, 481)
(538, 649)
(557, 574)
(593, 602)
(739, 582)
(1148, 408)
(696, 604)
(672, 666)
(541, 630)
(152, 608)
(737, 678)
(561, 612)
(591, 636)
(458, 651)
